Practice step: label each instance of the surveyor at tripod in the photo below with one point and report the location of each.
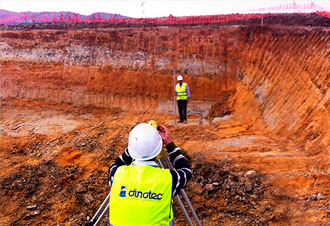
(182, 97)
(141, 192)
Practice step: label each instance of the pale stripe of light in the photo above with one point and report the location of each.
(151, 8)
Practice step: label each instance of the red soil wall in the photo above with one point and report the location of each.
(276, 79)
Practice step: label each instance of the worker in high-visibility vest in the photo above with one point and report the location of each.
(182, 97)
(141, 192)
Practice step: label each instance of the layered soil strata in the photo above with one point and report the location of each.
(70, 97)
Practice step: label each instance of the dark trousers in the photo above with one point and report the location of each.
(182, 105)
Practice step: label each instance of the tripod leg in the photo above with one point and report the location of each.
(101, 216)
(184, 210)
(190, 207)
(95, 218)
(185, 195)
(179, 201)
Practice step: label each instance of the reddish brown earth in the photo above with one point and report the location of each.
(260, 154)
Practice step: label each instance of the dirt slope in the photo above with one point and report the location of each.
(70, 97)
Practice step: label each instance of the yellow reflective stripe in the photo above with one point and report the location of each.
(141, 196)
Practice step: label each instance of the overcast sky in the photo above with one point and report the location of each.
(149, 8)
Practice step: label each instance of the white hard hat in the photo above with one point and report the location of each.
(144, 142)
(179, 78)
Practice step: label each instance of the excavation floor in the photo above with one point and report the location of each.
(54, 162)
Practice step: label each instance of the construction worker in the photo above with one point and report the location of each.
(141, 192)
(182, 97)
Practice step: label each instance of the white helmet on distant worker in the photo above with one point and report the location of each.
(144, 142)
(179, 78)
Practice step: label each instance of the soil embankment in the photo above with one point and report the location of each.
(70, 97)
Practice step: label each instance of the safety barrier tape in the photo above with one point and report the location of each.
(7, 17)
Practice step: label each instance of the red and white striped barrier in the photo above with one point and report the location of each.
(7, 17)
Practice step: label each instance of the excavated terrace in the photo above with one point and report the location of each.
(257, 133)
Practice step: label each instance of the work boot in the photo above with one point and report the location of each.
(179, 121)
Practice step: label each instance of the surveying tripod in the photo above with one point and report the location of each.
(105, 205)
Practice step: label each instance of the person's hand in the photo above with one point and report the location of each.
(165, 134)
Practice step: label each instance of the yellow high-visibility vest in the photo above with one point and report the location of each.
(181, 91)
(141, 196)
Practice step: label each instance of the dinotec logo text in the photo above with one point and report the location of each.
(139, 194)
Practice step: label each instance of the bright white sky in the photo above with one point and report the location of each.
(149, 8)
